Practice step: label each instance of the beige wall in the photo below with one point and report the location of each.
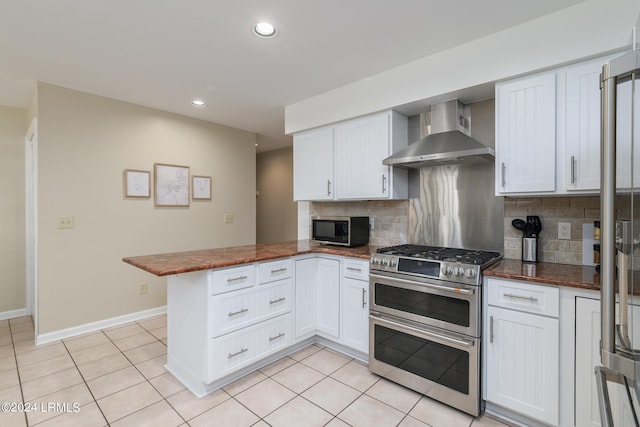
(276, 212)
(13, 128)
(85, 143)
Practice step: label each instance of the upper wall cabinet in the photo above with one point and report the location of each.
(548, 133)
(313, 165)
(526, 135)
(344, 161)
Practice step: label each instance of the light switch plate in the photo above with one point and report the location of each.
(228, 218)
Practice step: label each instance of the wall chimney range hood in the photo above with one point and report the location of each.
(445, 140)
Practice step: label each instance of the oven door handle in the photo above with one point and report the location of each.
(455, 341)
(460, 291)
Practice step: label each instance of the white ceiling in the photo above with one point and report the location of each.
(164, 53)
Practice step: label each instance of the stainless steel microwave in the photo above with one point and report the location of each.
(340, 230)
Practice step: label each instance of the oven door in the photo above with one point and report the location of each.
(432, 302)
(436, 363)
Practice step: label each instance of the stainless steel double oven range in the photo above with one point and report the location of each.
(425, 320)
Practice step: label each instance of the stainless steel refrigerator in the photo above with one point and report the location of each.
(618, 378)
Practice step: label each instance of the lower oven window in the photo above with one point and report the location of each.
(436, 362)
(447, 309)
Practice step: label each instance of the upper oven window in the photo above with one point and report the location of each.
(446, 309)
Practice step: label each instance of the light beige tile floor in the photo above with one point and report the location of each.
(116, 377)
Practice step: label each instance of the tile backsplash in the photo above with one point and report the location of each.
(389, 217)
(576, 210)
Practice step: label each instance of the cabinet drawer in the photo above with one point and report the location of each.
(355, 269)
(525, 297)
(239, 349)
(275, 270)
(235, 310)
(231, 279)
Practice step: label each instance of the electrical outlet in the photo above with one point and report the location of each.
(66, 221)
(143, 289)
(228, 218)
(372, 223)
(564, 231)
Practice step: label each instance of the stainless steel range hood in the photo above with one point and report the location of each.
(447, 140)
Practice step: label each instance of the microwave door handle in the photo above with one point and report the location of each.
(459, 291)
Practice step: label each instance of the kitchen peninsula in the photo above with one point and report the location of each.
(233, 310)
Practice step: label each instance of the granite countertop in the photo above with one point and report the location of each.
(574, 276)
(205, 259)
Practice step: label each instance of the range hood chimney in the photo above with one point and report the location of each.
(444, 140)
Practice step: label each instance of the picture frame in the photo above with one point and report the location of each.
(137, 184)
(201, 187)
(171, 185)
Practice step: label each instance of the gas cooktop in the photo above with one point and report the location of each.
(451, 264)
(465, 256)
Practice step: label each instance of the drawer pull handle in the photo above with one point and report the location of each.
(279, 270)
(354, 269)
(280, 335)
(533, 299)
(235, 279)
(237, 353)
(235, 313)
(275, 301)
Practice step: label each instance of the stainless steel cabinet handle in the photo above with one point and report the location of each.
(354, 269)
(435, 336)
(384, 182)
(503, 179)
(280, 335)
(275, 301)
(235, 313)
(520, 297)
(328, 187)
(364, 299)
(235, 279)
(237, 353)
(490, 329)
(279, 270)
(573, 169)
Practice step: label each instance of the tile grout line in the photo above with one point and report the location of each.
(15, 356)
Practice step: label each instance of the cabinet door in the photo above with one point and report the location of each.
(583, 127)
(526, 135)
(355, 314)
(305, 298)
(522, 363)
(328, 297)
(313, 165)
(588, 357)
(361, 145)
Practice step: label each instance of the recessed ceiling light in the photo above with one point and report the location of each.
(198, 103)
(264, 29)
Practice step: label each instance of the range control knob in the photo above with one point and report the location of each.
(446, 270)
(375, 260)
(458, 271)
(385, 262)
(470, 273)
(393, 262)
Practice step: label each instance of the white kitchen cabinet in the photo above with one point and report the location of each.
(522, 347)
(360, 147)
(583, 126)
(344, 161)
(526, 135)
(305, 298)
(355, 305)
(588, 333)
(313, 165)
(328, 298)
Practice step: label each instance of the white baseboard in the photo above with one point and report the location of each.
(13, 313)
(101, 324)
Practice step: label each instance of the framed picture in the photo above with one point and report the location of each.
(201, 187)
(137, 184)
(171, 185)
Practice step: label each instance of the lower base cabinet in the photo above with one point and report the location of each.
(587, 357)
(355, 314)
(522, 348)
